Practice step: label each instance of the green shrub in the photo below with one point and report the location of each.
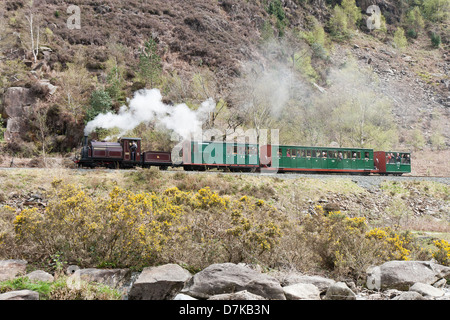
(435, 40)
(411, 33)
(59, 290)
(24, 283)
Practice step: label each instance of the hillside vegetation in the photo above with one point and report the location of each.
(267, 64)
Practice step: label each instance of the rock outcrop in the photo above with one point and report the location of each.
(9, 269)
(159, 283)
(402, 275)
(230, 278)
(228, 281)
(17, 100)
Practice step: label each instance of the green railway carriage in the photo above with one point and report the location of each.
(202, 155)
(318, 159)
(216, 154)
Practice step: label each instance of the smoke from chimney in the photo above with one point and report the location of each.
(146, 106)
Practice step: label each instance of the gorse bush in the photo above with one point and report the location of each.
(134, 230)
(195, 229)
(442, 254)
(347, 246)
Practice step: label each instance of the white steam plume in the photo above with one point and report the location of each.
(146, 106)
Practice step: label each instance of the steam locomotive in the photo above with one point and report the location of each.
(233, 156)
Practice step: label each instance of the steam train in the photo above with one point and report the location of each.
(233, 156)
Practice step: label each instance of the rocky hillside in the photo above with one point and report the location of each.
(199, 49)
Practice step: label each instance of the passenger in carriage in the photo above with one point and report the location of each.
(398, 158)
(408, 159)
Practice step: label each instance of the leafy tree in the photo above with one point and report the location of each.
(276, 9)
(436, 10)
(76, 84)
(415, 20)
(115, 80)
(400, 40)
(417, 140)
(344, 19)
(149, 68)
(437, 141)
(101, 102)
(266, 31)
(338, 24)
(316, 38)
(352, 11)
(302, 63)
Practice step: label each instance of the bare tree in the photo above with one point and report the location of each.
(38, 121)
(33, 22)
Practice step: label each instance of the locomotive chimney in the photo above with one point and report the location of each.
(85, 141)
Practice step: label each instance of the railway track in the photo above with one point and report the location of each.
(366, 181)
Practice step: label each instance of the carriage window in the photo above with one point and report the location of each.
(235, 149)
(324, 154)
(308, 153)
(313, 154)
(241, 150)
(358, 155)
(331, 154)
(288, 152)
(366, 155)
(279, 152)
(299, 153)
(390, 158)
(406, 159)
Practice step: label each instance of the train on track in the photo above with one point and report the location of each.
(233, 156)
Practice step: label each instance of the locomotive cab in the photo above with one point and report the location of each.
(131, 150)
